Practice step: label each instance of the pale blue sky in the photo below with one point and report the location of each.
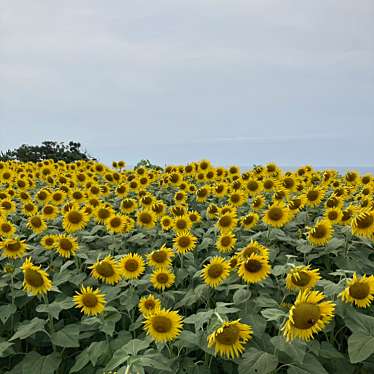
(239, 81)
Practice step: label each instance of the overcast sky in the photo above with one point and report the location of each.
(236, 81)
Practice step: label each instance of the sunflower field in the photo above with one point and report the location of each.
(185, 269)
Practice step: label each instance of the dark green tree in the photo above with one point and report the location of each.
(48, 150)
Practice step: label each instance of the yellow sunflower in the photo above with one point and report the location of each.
(226, 222)
(229, 339)
(253, 247)
(216, 271)
(49, 212)
(29, 208)
(115, 224)
(90, 301)
(162, 278)
(7, 228)
(308, 315)
(160, 258)
(102, 213)
(163, 325)
(184, 242)
(166, 223)
(106, 270)
(363, 223)
(66, 245)
(313, 196)
(182, 223)
(359, 291)
(321, 233)
(132, 266)
(146, 218)
(302, 277)
(148, 305)
(249, 221)
(75, 220)
(277, 215)
(36, 224)
(36, 280)
(48, 241)
(226, 242)
(333, 215)
(13, 247)
(255, 269)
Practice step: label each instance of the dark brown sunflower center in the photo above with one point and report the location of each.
(268, 184)
(145, 218)
(226, 241)
(312, 195)
(33, 278)
(159, 257)
(225, 221)
(359, 290)
(48, 210)
(248, 220)
(319, 232)
(127, 204)
(42, 195)
(105, 269)
(14, 246)
(229, 335)
(5, 227)
(49, 241)
(253, 266)
(257, 203)
(295, 204)
(161, 324)
(300, 279)
(166, 222)
(6, 205)
(333, 215)
(115, 222)
(275, 214)
(365, 221)
(252, 185)
(36, 222)
(306, 315)
(29, 207)
(89, 300)
(131, 265)
(215, 270)
(149, 304)
(103, 213)
(181, 224)
(162, 278)
(75, 217)
(184, 241)
(235, 198)
(66, 244)
(288, 182)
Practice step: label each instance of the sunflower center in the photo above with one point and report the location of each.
(181, 224)
(295, 204)
(66, 244)
(319, 232)
(75, 217)
(306, 315)
(6, 205)
(288, 183)
(159, 257)
(89, 300)
(36, 222)
(13, 247)
(33, 278)
(131, 265)
(253, 266)
(161, 324)
(49, 241)
(5, 227)
(275, 213)
(365, 221)
(29, 207)
(105, 269)
(312, 195)
(184, 241)
(146, 218)
(162, 278)
(229, 335)
(149, 304)
(268, 184)
(359, 291)
(166, 222)
(115, 222)
(225, 241)
(248, 220)
(225, 221)
(333, 215)
(215, 270)
(300, 279)
(103, 213)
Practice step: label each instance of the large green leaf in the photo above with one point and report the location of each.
(6, 311)
(360, 347)
(255, 361)
(296, 350)
(68, 337)
(29, 328)
(36, 363)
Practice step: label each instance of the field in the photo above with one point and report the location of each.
(185, 269)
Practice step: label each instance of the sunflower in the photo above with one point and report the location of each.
(7, 206)
(229, 339)
(49, 212)
(302, 277)
(29, 208)
(258, 202)
(333, 215)
(363, 223)
(194, 216)
(253, 247)
(48, 241)
(75, 220)
(13, 247)
(132, 266)
(166, 223)
(254, 269)
(163, 325)
(36, 224)
(160, 258)
(90, 301)
(102, 213)
(313, 196)
(184, 242)
(226, 242)
(277, 215)
(7, 229)
(149, 305)
(115, 224)
(202, 194)
(162, 278)
(226, 222)
(321, 233)
(308, 315)
(237, 198)
(212, 211)
(216, 271)
(359, 291)
(296, 204)
(249, 221)
(146, 218)
(182, 223)
(36, 280)
(66, 245)
(106, 270)
(128, 205)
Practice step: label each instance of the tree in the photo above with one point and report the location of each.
(48, 150)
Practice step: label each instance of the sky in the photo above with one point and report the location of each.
(239, 82)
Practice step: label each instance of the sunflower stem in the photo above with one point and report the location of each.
(13, 303)
(219, 317)
(50, 320)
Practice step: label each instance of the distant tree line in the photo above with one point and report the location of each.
(48, 150)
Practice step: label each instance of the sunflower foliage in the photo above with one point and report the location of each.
(185, 269)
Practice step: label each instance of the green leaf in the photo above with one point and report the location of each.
(29, 328)
(272, 314)
(329, 351)
(36, 363)
(109, 322)
(80, 362)
(295, 350)
(120, 356)
(199, 319)
(310, 366)
(241, 296)
(56, 307)
(4, 346)
(136, 345)
(96, 350)
(67, 337)
(255, 361)
(6, 311)
(358, 322)
(156, 361)
(360, 347)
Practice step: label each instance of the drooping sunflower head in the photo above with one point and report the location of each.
(162, 278)
(36, 280)
(216, 271)
(302, 277)
(106, 270)
(309, 315)
(359, 291)
(149, 305)
(254, 269)
(184, 242)
(229, 339)
(163, 325)
(13, 247)
(363, 223)
(132, 266)
(160, 258)
(91, 302)
(277, 215)
(321, 233)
